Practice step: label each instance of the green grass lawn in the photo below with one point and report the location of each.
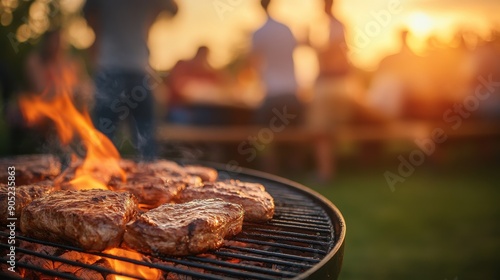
(443, 222)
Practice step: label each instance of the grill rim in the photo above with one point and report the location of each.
(338, 221)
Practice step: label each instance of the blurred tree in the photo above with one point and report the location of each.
(23, 23)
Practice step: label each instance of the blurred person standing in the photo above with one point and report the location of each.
(485, 60)
(329, 107)
(193, 84)
(272, 50)
(123, 89)
(391, 85)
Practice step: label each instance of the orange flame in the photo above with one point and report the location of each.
(130, 268)
(56, 104)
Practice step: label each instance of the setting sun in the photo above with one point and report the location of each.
(420, 24)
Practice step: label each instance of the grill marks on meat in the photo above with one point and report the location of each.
(257, 203)
(90, 219)
(23, 195)
(184, 229)
(31, 168)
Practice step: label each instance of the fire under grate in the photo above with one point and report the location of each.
(300, 236)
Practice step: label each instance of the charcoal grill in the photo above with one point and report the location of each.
(304, 240)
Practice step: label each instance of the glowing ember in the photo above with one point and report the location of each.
(129, 268)
(55, 103)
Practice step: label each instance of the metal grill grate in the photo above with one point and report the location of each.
(299, 237)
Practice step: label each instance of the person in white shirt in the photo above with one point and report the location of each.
(272, 49)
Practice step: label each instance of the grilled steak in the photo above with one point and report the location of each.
(206, 174)
(151, 190)
(90, 219)
(162, 166)
(257, 203)
(127, 165)
(30, 168)
(184, 229)
(23, 196)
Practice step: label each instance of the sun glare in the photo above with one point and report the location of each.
(420, 24)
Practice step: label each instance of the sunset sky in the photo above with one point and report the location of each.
(372, 26)
(226, 26)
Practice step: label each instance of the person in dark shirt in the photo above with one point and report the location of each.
(122, 78)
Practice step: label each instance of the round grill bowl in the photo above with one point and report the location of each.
(303, 240)
(292, 196)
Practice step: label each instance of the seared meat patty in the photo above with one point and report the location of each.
(127, 165)
(257, 203)
(184, 229)
(23, 196)
(151, 189)
(90, 219)
(206, 174)
(162, 166)
(30, 168)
